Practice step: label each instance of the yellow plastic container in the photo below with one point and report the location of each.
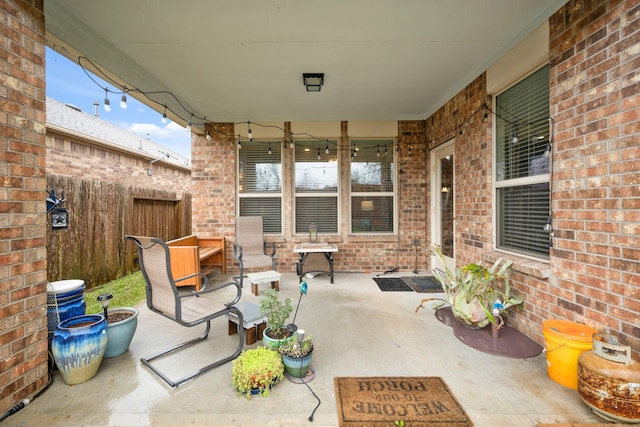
(565, 340)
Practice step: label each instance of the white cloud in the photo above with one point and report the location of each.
(171, 135)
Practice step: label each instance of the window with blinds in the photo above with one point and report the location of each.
(372, 186)
(522, 166)
(260, 183)
(316, 186)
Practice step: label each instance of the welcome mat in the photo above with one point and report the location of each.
(423, 284)
(392, 284)
(379, 401)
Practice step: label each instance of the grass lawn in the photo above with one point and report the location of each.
(127, 291)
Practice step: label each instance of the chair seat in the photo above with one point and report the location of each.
(194, 309)
(252, 261)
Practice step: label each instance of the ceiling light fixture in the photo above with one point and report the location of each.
(313, 81)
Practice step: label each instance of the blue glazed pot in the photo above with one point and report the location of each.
(297, 367)
(121, 333)
(78, 346)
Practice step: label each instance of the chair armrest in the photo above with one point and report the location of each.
(204, 290)
(270, 246)
(190, 276)
(237, 251)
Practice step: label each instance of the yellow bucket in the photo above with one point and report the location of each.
(565, 340)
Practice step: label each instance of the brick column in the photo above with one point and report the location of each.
(213, 179)
(23, 330)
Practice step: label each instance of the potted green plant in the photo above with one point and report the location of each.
(256, 370)
(296, 354)
(277, 311)
(472, 293)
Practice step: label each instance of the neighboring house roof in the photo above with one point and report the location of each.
(69, 118)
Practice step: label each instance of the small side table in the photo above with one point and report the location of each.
(270, 276)
(253, 322)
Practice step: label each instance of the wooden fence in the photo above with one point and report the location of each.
(93, 248)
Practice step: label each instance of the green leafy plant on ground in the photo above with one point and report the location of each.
(127, 291)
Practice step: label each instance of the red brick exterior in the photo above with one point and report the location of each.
(23, 265)
(595, 100)
(214, 202)
(68, 155)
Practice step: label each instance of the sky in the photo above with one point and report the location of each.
(68, 83)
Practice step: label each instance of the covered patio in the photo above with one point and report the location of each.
(443, 89)
(358, 331)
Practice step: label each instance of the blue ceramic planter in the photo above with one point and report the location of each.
(297, 367)
(78, 346)
(121, 333)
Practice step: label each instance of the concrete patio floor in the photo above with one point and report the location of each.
(358, 331)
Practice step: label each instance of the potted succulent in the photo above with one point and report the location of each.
(256, 370)
(277, 311)
(296, 354)
(475, 300)
(122, 324)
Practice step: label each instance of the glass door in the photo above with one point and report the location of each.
(442, 202)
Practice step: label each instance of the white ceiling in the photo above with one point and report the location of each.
(242, 60)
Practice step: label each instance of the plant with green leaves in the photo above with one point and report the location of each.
(256, 371)
(471, 290)
(277, 312)
(294, 349)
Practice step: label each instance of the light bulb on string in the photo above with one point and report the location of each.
(164, 115)
(547, 151)
(123, 101)
(249, 133)
(208, 137)
(318, 153)
(107, 104)
(515, 135)
(385, 150)
(239, 143)
(326, 149)
(269, 151)
(378, 152)
(189, 123)
(291, 143)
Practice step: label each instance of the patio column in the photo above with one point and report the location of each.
(23, 220)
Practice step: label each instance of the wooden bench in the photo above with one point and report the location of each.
(192, 254)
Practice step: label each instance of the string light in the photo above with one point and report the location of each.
(319, 153)
(149, 95)
(269, 152)
(326, 149)
(378, 152)
(208, 137)
(123, 101)
(249, 133)
(107, 104)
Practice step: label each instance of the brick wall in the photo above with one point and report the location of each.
(68, 155)
(214, 202)
(462, 119)
(595, 98)
(23, 321)
(593, 276)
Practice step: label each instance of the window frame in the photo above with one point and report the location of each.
(334, 150)
(255, 195)
(389, 144)
(514, 183)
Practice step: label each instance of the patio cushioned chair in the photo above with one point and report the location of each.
(187, 309)
(250, 248)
